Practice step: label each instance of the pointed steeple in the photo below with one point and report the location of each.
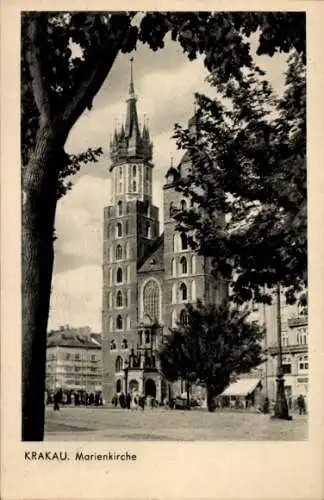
(131, 125)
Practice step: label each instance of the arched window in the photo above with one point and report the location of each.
(183, 265)
(134, 170)
(126, 227)
(184, 319)
(119, 299)
(171, 208)
(173, 267)
(193, 264)
(119, 275)
(119, 322)
(119, 364)
(174, 293)
(183, 291)
(126, 298)
(151, 299)
(113, 345)
(125, 344)
(184, 241)
(183, 205)
(119, 252)
(193, 291)
(119, 230)
(120, 208)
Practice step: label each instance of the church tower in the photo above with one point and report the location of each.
(131, 224)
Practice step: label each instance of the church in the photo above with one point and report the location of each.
(147, 277)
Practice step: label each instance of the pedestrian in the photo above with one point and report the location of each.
(122, 400)
(301, 405)
(56, 406)
(128, 401)
(141, 401)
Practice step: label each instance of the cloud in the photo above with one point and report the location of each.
(76, 298)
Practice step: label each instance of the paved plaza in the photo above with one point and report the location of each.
(101, 424)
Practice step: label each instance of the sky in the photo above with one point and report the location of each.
(165, 83)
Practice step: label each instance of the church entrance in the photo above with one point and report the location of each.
(150, 388)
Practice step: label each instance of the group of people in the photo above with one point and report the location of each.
(134, 401)
(76, 398)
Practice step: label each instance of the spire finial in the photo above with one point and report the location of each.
(131, 85)
(171, 161)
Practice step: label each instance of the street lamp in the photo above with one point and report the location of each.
(281, 406)
(126, 376)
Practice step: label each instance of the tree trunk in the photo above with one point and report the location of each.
(38, 214)
(211, 398)
(188, 394)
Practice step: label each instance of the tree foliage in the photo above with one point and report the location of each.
(214, 343)
(248, 182)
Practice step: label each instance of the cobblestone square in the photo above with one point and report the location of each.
(105, 424)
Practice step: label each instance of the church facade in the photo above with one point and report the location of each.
(147, 277)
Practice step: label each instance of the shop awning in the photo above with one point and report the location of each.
(242, 387)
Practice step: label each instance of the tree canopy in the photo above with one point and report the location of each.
(248, 182)
(212, 344)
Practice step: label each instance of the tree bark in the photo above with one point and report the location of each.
(38, 214)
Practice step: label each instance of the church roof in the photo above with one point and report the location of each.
(153, 260)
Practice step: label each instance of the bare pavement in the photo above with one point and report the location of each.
(108, 424)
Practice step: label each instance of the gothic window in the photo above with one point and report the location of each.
(183, 291)
(119, 252)
(184, 320)
(120, 208)
(193, 264)
(183, 265)
(119, 230)
(134, 186)
(119, 364)
(126, 298)
(119, 275)
(124, 344)
(119, 299)
(183, 205)
(184, 241)
(119, 322)
(147, 336)
(171, 208)
(134, 170)
(112, 345)
(151, 299)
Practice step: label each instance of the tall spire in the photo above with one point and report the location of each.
(131, 125)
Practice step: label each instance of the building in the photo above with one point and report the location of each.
(294, 341)
(147, 277)
(74, 360)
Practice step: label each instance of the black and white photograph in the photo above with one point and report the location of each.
(161, 251)
(164, 226)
